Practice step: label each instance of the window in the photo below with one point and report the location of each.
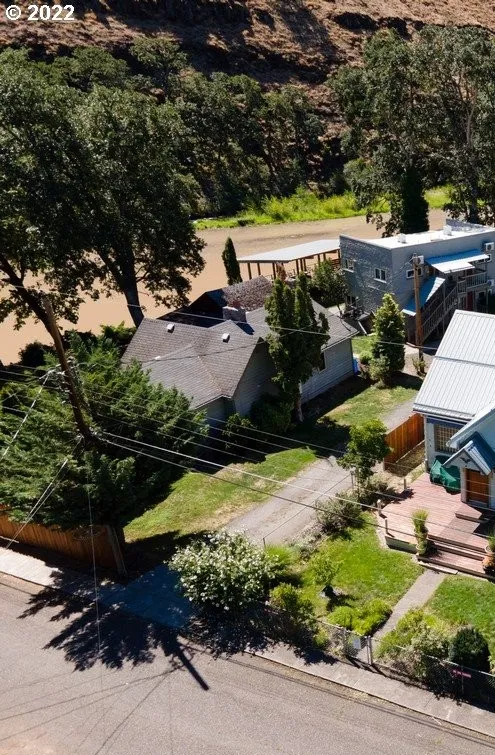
(348, 264)
(321, 363)
(410, 273)
(442, 436)
(380, 274)
(351, 300)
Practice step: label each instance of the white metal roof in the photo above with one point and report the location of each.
(414, 239)
(298, 252)
(461, 379)
(452, 263)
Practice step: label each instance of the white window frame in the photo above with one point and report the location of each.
(347, 264)
(379, 277)
(410, 273)
(441, 436)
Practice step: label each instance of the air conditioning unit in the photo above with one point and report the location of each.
(490, 282)
(447, 230)
(489, 247)
(418, 259)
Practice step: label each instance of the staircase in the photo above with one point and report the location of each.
(462, 551)
(438, 309)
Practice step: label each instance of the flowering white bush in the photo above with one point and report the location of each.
(225, 571)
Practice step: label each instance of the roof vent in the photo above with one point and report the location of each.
(170, 327)
(226, 337)
(447, 230)
(402, 238)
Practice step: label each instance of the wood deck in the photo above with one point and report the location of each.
(459, 531)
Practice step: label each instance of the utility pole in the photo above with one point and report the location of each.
(81, 423)
(417, 300)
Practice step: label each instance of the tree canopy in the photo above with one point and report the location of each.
(389, 335)
(296, 339)
(120, 484)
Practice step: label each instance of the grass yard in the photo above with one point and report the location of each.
(361, 345)
(305, 205)
(372, 403)
(199, 502)
(465, 600)
(365, 570)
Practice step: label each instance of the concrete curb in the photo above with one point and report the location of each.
(460, 714)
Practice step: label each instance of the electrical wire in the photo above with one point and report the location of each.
(33, 403)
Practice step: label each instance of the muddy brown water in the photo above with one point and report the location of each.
(247, 240)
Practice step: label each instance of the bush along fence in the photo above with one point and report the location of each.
(441, 676)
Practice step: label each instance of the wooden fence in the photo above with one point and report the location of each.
(404, 438)
(75, 544)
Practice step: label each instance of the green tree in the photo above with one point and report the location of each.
(121, 484)
(230, 263)
(296, 338)
(45, 205)
(367, 446)
(389, 335)
(329, 286)
(469, 647)
(383, 108)
(142, 233)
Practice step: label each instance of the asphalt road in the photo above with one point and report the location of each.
(153, 696)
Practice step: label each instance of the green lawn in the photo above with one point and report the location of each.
(365, 570)
(465, 600)
(361, 345)
(198, 502)
(372, 403)
(305, 205)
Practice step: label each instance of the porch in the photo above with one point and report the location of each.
(457, 531)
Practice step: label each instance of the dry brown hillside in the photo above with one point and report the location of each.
(276, 41)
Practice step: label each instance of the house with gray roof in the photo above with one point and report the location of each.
(221, 361)
(457, 401)
(455, 268)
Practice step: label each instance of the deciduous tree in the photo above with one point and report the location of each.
(366, 447)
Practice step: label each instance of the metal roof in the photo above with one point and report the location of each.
(479, 452)
(461, 380)
(292, 253)
(429, 287)
(452, 263)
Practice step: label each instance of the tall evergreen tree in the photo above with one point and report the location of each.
(389, 337)
(296, 339)
(230, 262)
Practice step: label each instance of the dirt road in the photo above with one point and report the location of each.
(246, 240)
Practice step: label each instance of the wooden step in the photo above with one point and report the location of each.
(458, 543)
(458, 563)
(473, 514)
(458, 550)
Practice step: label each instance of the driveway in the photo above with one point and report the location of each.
(284, 516)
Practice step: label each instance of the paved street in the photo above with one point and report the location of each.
(153, 695)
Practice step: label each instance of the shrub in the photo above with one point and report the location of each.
(420, 366)
(370, 492)
(343, 616)
(281, 559)
(364, 620)
(271, 414)
(414, 623)
(323, 568)
(223, 572)
(337, 514)
(380, 370)
(468, 647)
(371, 616)
(234, 432)
(297, 610)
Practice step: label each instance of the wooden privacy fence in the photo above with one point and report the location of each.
(75, 544)
(404, 438)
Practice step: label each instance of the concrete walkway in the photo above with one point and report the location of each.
(281, 521)
(398, 415)
(415, 597)
(152, 596)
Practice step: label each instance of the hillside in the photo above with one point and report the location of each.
(275, 41)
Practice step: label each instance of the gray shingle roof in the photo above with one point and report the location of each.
(461, 379)
(194, 359)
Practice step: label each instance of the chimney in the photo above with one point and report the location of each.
(237, 314)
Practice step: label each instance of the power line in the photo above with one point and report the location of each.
(33, 403)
